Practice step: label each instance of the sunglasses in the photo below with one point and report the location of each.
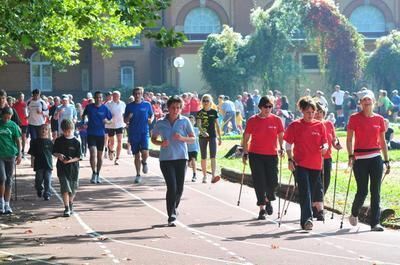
(205, 100)
(268, 106)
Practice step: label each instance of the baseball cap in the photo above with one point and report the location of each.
(366, 94)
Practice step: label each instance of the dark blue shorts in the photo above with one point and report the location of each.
(139, 142)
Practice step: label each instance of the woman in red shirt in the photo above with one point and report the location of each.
(309, 139)
(327, 164)
(263, 153)
(368, 130)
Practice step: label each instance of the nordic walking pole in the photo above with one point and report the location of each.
(347, 195)
(241, 184)
(291, 197)
(336, 171)
(280, 186)
(334, 187)
(286, 197)
(323, 194)
(15, 182)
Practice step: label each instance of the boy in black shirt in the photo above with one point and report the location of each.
(41, 148)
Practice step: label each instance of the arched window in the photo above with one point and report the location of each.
(200, 22)
(127, 77)
(368, 19)
(41, 73)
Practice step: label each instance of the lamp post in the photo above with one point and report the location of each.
(179, 62)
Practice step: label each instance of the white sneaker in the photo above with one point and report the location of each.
(138, 179)
(145, 168)
(377, 228)
(7, 209)
(353, 220)
(1, 208)
(204, 179)
(129, 151)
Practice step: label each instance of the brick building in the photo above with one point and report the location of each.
(143, 63)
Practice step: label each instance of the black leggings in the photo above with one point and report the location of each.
(326, 173)
(365, 170)
(264, 171)
(174, 175)
(203, 146)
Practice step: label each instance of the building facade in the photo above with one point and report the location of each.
(142, 63)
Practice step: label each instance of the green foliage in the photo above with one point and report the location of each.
(56, 28)
(221, 66)
(383, 63)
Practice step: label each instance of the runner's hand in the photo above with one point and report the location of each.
(179, 137)
(164, 143)
(387, 164)
(244, 158)
(281, 153)
(18, 160)
(219, 141)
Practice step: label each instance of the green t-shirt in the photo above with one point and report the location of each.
(9, 132)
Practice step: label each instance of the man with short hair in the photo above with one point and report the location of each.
(117, 109)
(65, 111)
(37, 113)
(396, 104)
(337, 99)
(97, 114)
(139, 114)
(229, 111)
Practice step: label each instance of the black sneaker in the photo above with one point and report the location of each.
(67, 212)
(308, 225)
(46, 198)
(320, 216)
(39, 193)
(314, 212)
(71, 208)
(261, 215)
(172, 220)
(268, 208)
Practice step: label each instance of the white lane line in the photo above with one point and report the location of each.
(25, 258)
(87, 229)
(232, 240)
(324, 235)
(165, 215)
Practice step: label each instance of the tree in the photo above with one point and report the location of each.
(382, 65)
(220, 63)
(57, 27)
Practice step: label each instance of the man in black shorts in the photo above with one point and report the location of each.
(97, 114)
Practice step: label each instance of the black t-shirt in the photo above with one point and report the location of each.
(70, 148)
(388, 133)
(42, 150)
(208, 119)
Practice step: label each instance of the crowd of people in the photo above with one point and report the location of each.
(186, 125)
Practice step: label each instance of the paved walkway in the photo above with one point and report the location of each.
(118, 222)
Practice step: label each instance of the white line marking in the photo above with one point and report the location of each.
(25, 258)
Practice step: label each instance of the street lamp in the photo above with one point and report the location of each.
(179, 62)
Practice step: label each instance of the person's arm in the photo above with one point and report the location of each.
(280, 142)
(18, 142)
(289, 153)
(218, 131)
(245, 145)
(349, 146)
(150, 115)
(385, 154)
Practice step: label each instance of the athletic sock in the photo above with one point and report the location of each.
(6, 203)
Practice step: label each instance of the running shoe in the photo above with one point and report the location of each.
(308, 225)
(261, 215)
(71, 208)
(204, 180)
(129, 151)
(377, 228)
(1, 208)
(93, 179)
(138, 179)
(7, 209)
(194, 179)
(145, 167)
(46, 198)
(98, 179)
(353, 220)
(39, 193)
(67, 212)
(320, 215)
(172, 221)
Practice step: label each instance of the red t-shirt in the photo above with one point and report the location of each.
(195, 105)
(20, 107)
(308, 139)
(366, 132)
(330, 135)
(264, 134)
(186, 107)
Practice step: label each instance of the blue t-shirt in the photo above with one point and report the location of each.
(96, 116)
(141, 112)
(176, 149)
(194, 147)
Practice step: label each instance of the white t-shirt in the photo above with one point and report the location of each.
(117, 111)
(66, 112)
(338, 97)
(33, 106)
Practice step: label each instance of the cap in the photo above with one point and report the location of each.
(89, 95)
(64, 97)
(108, 93)
(395, 91)
(320, 92)
(116, 92)
(366, 94)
